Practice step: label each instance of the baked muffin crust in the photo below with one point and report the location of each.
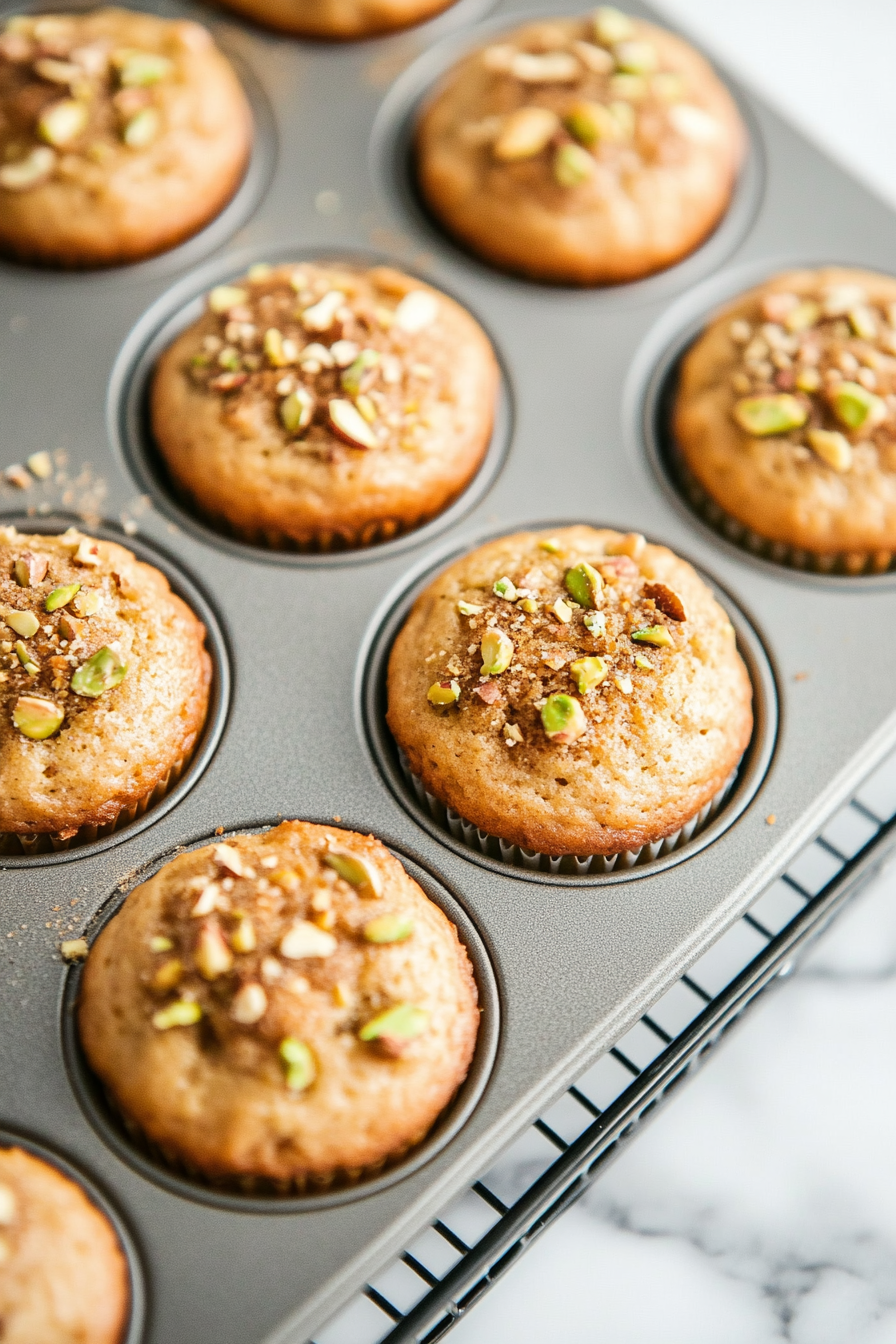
(102, 693)
(592, 150)
(63, 1276)
(120, 135)
(341, 19)
(586, 724)
(284, 1007)
(325, 405)
(786, 412)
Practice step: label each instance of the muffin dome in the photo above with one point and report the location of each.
(318, 406)
(104, 686)
(341, 19)
(120, 135)
(63, 1276)
(285, 1007)
(573, 692)
(592, 150)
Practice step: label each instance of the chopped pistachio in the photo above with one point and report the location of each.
(321, 315)
(623, 113)
(497, 652)
(62, 122)
(355, 375)
(591, 122)
(160, 943)
(182, 1013)
(243, 937)
(139, 69)
(297, 410)
(528, 605)
(74, 949)
(25, 623)
(60, 597)
(213, 956)
(305, 939)
(169, 975)
(224, 297)
(831, 447)
(30, 570)
(803, 316)
(525, 133)
(512, 734)
(594, 57)
(670, 86)
(778, 414)
(644, 663)
(103, 672)
(635, 58)
(808, 379)
(40, 465)
(207, 900)
(856, 407)
(350, 425)
(562, 611)
(389, 929)
(584, 584)
(544, 67)
(573, 165)
(87, 602)
(142, 128)
(506, 589)
(298, 1061)
(563, 718)
(359, 873)
(273, 347)
(36, 718)
(588, 673)
(443, 693)
(229, 358)
(623, 684)
(630, 89)
(29, 172)
(551, 545)
(417, 310)
(259, 271)
(367, 408)
(666, 600)
(28, 661)
(596, 622)
(403, 1022)
(249, 1004)
(864, 322)
(612, 26)
(469, 609)
(657, 635)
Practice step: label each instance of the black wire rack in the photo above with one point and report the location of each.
(442, 1275)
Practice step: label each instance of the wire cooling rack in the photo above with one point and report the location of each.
(442, 1274)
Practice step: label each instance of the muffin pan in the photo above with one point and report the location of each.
(576, 960)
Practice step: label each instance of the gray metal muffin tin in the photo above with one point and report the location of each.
(297, 642)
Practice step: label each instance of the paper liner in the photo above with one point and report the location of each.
(47, 842)
(833, 562)
(577, 865)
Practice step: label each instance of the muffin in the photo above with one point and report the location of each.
(339, 19)
(325, 406)
(286, 1008)
(120, 135)
(104, 687)
(63, 1276)
(574, 692)
(593, 150)
(785, 417)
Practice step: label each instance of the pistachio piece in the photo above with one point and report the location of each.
(443, 693)
(623, 684)
(30, 570)
(547, 67)
(259, 271)
(273, 347)
(321, 315)
(25, 623)
(224, 297)
(417, 310)
(389, 929)
(856, 407)
(590, 122)
(36, 718)
(529, 605)
(142, 128)
(402, 1022)
(802, 317)
(29, 172)
(838, 299)
(358, 373)
(808, 379)
(249, 1004)
(297, 410)
(62, 122)
(628, 89)
(864, 322)
(525, 133)
(584, 584)
(551, 545)
(305, 939)
(74, 949)
(562, 611)
(831, 447)
(469, 609)
(563, 718)
(169, 975)
(573, 165)
(139, 69)
(298, 1062)
(359, 873)
(207, 900)
(593, 57)
(182, 1013)
(103, 672)
(657, 635)
(243, 937)
(512, 734)
(213, 957)
(761, 416)
(612, 26)
(644, 663)
(505, 588)
(87, 602)
(666, 600)
(160, 943)
(670, 86)
(694, 124)
(596, 622)
(635, 58)
(588, 673)
(60, 597)
(28, 660)
(497, 652)
(349, 425)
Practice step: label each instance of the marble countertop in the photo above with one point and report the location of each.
(760, 1206)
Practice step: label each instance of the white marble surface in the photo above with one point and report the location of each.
(760, 1206)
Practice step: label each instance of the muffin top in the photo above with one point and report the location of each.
(786, 409)
(282, 1006)
(604, 145)
(104, 681)
(63, 1276)
(577, 691)
(333, 395)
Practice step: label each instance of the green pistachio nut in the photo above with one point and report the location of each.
(497, 652)
(60, 597)
(25, 623)
(657, 635)
(802, 317)
(296, 410)
(469, 609)
(224, 297)
(103, 672)
(389, 929)
(573, 165)
(142, 128)
(584, 584)
(612, 26)
(591, 122)
(356, 872)
(506, 589)
(856, 407)
(761, 416)
(403, 1023)
(182, 1013)
(644, 663)
(37, 718)
(160, 943)
(588, 673)
(28, 661)
(832, 447)
(631, 89)
(62, 122)
(298, 1063)
(635, 58)
(352, 378)
(139, 69)
(863, 322)
(563, 718)
(443, 693)
(596, 622)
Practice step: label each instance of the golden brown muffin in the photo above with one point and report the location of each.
(284, 1007)
(785, 414)
(592, 150)
(104, 684)
(572, 692)
(63, 1276)
(325, 405)
(339, 19)
(120, 135)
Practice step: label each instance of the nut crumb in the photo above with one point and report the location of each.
(771, 819)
